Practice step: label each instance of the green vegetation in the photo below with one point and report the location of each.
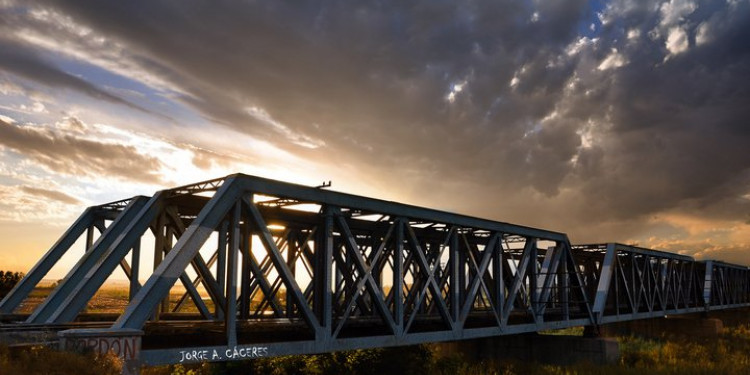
(40, 360)
(727, 354)
(8, 279)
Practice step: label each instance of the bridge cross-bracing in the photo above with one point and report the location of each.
(275, 268)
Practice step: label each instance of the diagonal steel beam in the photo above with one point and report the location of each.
(40, 269)
(114, 254)
(481, 269)
(157, 287)
(280, 264)
(429, 273)
(521, 269)
(365, 271)
(88, 261)
(199, 264)
(551, 263)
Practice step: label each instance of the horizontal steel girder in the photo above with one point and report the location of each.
(337, 271)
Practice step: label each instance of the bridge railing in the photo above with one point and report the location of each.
(301, 269)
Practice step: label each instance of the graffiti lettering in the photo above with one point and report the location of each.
(232, 353)
(123, 347)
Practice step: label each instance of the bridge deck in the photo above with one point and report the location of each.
(287, 269)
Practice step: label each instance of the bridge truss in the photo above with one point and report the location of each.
(274, 268)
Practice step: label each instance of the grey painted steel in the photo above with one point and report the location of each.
(40, 269)
(349, 272)
(605, 276)
(110, 259)
(635, 283)
(327, 197)
(173, 265)
(88, 261)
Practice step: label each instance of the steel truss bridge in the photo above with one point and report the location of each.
(264, 267)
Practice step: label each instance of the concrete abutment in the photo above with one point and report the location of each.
(123, 343)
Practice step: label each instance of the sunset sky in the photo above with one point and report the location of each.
(624, 120)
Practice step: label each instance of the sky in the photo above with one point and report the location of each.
(612, 121)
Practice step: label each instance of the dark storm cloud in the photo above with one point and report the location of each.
(679, 127)
(69, 155)
(20, 60)
(503, 99)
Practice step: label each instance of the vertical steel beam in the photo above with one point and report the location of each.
(231, 282)
(708, 281)
(221, 263)
(291, 262)
(533, 275)
(160, 233)
(481, 269)
(280, 265)
(109, 260)
(247, 245)
(322, 276)
(398, 278)
(158, 285)
(135, 260)
(90, 237)
(455, 285)
(605, 281)
(366, 279)
(265, 287)
(550, 269)
(428, 273)
(565, 286)
(88, 261)
(497, 273)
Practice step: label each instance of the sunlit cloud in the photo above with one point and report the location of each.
(584, 117)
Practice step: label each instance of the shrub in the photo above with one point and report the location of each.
(8, 279)
(41, 360)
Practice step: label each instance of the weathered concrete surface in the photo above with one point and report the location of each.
(549, 349)
(124, 343)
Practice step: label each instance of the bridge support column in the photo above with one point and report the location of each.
(124, 343)
(677, 325)
(549, 349)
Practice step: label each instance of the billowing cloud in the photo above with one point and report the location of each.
(54, 195)
(586, 118)
(67, 154)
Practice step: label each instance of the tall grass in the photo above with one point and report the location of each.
(40, 360)
(727, 354)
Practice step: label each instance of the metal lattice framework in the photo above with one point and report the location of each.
(295, 269)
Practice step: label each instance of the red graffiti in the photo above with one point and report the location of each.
(123, 347)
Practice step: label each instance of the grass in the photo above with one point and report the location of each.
(40, 360)
(108, 299)
(727, 354)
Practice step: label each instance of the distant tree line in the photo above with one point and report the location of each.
(8, 279)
